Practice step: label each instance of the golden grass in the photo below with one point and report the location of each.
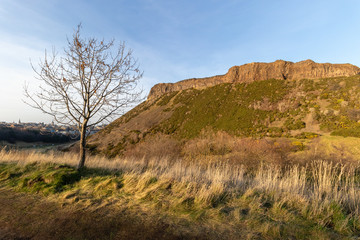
(318, 182)
(320, 191)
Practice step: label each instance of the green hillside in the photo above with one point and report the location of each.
(270, 108)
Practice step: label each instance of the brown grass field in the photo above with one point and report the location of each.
(293, 194)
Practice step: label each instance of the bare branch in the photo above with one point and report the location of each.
(91, 82)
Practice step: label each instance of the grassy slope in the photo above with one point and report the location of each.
(275, 108)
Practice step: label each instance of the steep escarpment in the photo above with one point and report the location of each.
(261, 71)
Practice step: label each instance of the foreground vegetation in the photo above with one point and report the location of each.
(316, 200)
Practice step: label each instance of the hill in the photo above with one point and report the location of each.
(280, 99)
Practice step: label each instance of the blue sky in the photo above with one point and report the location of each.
(174, 40)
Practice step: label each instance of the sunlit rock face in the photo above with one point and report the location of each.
(257, 71)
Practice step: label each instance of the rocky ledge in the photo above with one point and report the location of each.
(261, 71)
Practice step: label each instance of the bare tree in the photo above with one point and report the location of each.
(91, 82)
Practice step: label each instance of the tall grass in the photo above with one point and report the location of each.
(324, 193)
(317, 183)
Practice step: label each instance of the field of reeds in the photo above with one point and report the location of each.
(316, 199)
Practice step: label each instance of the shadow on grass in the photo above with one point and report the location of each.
(49, 178)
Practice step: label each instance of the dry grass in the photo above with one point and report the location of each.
(249, 152)
(318, 182)
(319, 193)
(159, 145)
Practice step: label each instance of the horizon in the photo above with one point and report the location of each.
(174, 41)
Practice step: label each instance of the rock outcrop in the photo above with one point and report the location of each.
(261, 71)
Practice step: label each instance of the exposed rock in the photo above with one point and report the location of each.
(261, 71)
(344, 104)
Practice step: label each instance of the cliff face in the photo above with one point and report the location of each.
(261, 71)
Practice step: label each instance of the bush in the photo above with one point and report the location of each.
(292, 124)
(307, 135)
(346, 132)
(158, 146)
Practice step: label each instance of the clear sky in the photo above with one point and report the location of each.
(174, 40)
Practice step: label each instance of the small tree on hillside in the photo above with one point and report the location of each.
(90, 83)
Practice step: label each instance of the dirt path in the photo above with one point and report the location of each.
(25, 216)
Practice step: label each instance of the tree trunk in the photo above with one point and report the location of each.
(82, 147)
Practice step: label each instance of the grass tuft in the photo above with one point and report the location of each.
(316, 200)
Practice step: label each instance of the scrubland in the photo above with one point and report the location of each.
(220, 187)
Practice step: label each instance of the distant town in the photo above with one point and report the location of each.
(48, 128)
(40, 133)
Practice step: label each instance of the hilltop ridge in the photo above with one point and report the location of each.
(283, 99)
(258, 71)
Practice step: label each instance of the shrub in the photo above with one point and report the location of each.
(347, 132)
(158, 146)
(307, 135)
(292, 124)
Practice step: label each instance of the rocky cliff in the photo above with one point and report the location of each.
(247, 73)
